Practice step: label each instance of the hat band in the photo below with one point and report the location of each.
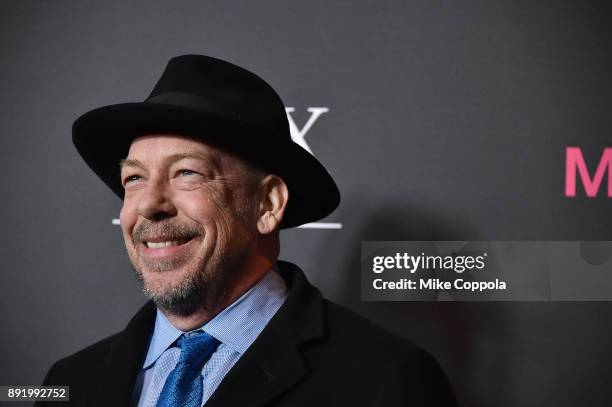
(255, 116)
(195, 102)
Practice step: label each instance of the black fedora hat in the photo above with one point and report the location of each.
(224, 105)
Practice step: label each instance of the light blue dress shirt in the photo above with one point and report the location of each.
(236, 327)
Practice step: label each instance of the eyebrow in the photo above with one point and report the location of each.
(207, 158)
(127, 162)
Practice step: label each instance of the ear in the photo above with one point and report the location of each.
(275, 195)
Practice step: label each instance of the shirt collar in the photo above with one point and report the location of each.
(237, 326)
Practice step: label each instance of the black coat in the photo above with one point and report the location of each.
(312, 353)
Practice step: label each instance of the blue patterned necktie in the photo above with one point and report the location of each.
(184, 387)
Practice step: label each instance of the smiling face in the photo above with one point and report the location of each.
(188, 219)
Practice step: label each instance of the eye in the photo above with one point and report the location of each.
(131, 178)
(186, 172)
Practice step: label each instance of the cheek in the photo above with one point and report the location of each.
(127, 218)
(197, 208)
(212, 209)
(203, 205)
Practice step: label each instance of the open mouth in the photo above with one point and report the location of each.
(167, 243)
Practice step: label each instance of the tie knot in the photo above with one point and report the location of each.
(196, 347)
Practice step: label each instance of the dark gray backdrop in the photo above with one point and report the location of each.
(448, 121)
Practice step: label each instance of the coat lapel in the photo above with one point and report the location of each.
(125, 360)
(273, 363)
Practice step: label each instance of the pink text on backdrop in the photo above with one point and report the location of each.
(574, 163)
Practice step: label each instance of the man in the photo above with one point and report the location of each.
(208, 175)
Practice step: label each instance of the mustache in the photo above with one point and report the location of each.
(171, 231)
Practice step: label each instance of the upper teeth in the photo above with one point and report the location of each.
(157, 245)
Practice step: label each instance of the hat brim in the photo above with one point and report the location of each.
(103, 137)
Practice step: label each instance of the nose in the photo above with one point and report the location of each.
(156, 202)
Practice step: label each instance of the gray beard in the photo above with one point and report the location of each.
(205, 289)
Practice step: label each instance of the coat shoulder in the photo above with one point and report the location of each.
(79, 371)
(71, 367)
(352, 331)
(372, 366)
